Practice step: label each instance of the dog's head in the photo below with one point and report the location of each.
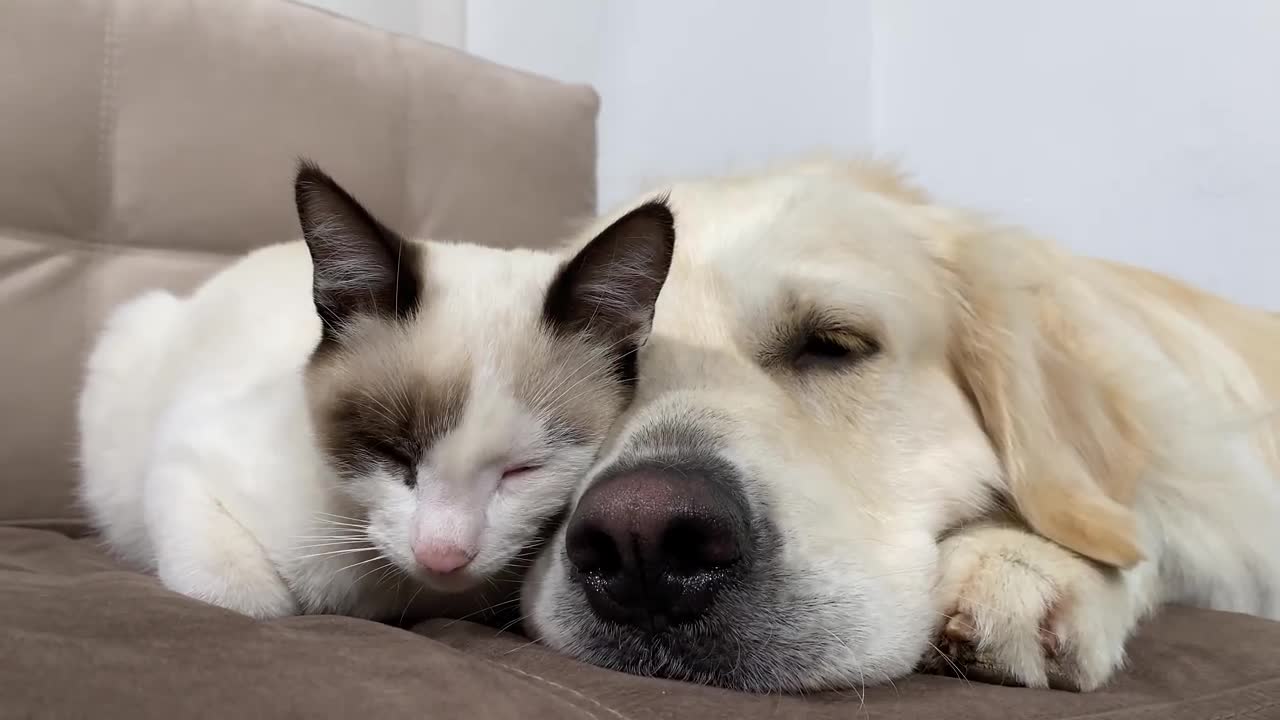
(838, 374)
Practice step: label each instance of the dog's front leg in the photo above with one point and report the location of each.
(1017, 608)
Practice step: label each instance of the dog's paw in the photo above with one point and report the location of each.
(1019, 609)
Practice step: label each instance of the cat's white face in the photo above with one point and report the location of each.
(465, 428)
(462, 392)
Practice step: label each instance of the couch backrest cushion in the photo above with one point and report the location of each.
(143, 143)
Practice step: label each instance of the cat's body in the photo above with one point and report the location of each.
(208, 454)
(352, 424)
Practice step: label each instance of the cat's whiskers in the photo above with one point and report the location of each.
(391, 571)
(508, 626)
(335, 529)
(369, 572)
(344, 551)
(336, 516)
(332, 543)
(409, 604)
(482, 610)
(523, 646)
(345, 568)
(336, 534)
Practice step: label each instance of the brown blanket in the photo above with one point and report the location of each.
(81, 637)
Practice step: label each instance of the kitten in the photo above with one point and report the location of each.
(358, 424)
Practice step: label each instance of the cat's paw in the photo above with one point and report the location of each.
(223, 565)
(250, 590)
(1019, 609)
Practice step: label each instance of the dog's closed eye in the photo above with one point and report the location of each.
(830, 350)
(813, 341)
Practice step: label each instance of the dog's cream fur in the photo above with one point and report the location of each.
(1045, 449)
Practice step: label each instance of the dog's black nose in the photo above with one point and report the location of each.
(653, 546)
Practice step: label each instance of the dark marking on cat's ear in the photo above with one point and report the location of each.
(359, 266)
(607, 292)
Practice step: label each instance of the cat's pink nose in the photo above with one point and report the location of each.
(442, 559)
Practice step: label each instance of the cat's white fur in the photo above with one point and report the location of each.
(198, 450)
(356, 423)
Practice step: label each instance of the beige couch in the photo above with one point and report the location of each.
(143, 144)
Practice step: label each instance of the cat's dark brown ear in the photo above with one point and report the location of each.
(359, 266)
(607, 292)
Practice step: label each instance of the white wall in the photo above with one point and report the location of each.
(694, 86)
(1145, 130)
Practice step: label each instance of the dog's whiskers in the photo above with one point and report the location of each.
(862, 693)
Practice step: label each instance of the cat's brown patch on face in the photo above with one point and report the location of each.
(378, 408)
(378, 403)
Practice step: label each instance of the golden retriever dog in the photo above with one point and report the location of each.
(872, 433)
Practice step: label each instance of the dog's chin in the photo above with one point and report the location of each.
(760, 637)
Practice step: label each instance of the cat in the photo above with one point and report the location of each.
(358, 424)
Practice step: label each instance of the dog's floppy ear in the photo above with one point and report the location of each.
(1067, 430)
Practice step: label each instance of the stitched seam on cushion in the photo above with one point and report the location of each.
(104, 162)
(564, 688)
(551, 688)
(1248, 712)
(58, 240)
(104, 166)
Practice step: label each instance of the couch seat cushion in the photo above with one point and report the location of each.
(84, 637)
